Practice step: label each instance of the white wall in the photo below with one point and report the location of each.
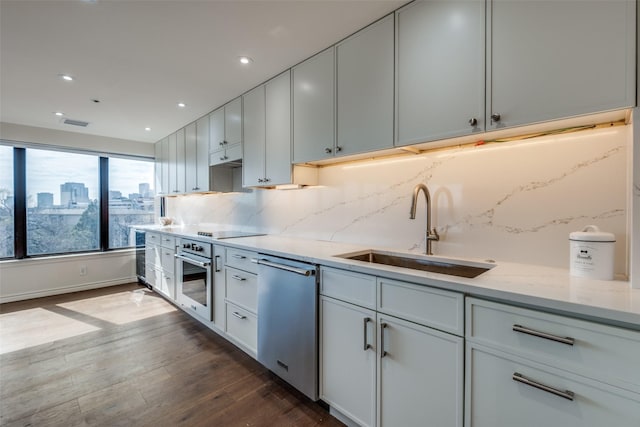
(635, 203)
(508, 201)
(30, 134)
(39, 277)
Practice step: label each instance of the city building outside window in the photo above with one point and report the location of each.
(130, 199)
(63, 206)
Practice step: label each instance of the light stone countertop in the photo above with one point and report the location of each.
(547, 288)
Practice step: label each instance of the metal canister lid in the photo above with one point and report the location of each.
(592, 233)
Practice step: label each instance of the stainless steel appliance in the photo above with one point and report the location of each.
(140, 239)
(194, 278)
(288, 321)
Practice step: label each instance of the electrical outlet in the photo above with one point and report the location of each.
(83, 270)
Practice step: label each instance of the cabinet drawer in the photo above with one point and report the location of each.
(436, 308)
(243, 326)
(233, 152)
(153, 238)
(495, 399)
(168, 242)
(168, 260)
(242, 288)
(152, 255)
(351, 287)
(604, 352)
(240, 259)
(217, 157)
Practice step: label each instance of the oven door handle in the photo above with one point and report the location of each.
(193, 261)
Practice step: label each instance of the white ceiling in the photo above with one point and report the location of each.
(141, 57)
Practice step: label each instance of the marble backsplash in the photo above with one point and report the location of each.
(515, 201)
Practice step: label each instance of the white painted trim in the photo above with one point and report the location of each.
(66, 289)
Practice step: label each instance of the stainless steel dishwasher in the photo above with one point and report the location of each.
(288, 321)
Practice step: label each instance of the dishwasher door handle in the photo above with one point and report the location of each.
(301, 271)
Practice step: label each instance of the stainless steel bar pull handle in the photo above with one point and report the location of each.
(383, 353)
(566, 394)
(235, 276)
(540, 334)
(237, 256)
(192, 261)
(216, 261)
(238, 315)
(367, 346)
(301, 271)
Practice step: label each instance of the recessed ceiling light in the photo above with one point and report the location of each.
(147, 129)
(66, 77)
(181, 104)
(245, 60)
(58, 113)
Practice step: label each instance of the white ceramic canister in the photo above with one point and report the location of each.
(592, 253)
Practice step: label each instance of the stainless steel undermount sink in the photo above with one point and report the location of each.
(432, 264)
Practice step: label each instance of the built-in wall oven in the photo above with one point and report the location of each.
(194, 278)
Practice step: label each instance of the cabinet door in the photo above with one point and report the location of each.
(420, 377)
(191, 158)
(313, 108)
(495, 397)
(365, 90)
(180, 162)
(254, 138)
(233, 122)
(173, 164)
(158, 167)
(216, 129)
(554, 59)
(202, 154)
(348, 359)
(278, 130)
(440, 70)
(166, 184)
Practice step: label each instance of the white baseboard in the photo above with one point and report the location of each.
(66, 289)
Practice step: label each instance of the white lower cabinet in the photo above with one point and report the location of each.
(505, 390)
(379, 370)
(420, 375)
(348, 359)
(529, 368)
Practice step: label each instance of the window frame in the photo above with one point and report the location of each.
(20, 198)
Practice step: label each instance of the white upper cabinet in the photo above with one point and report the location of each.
(225, 133)
(314, 108)
(365, 89)
(267, 133)
(202, 152)
(278, 130)
(180, 162)
(216, 129)
(440, 79)
(160, 173)
(554, 59)
(172, 164)
(191, 156)
(254, 137)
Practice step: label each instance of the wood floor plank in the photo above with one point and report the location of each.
(143, 364)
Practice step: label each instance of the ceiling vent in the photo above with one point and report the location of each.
(75, 123)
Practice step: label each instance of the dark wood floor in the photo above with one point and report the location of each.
(123, 356)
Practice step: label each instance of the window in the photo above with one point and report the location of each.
(58, 202)
(130, 199)
(63, 207)
(6, 202)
